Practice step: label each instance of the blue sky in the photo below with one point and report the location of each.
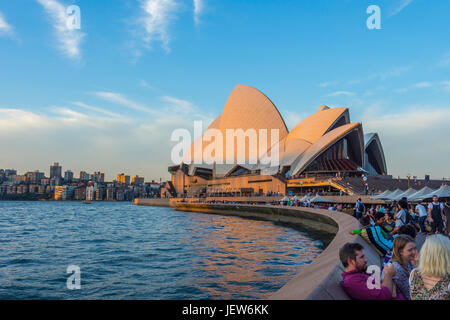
(107, 96)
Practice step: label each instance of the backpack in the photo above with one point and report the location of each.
(409, 218)
(361, 207)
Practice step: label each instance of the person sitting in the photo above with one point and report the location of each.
(404, 260)
(389, 223)
(355, 279)
(375, 236)
(431, 279)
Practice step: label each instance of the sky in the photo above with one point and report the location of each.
(107, 95)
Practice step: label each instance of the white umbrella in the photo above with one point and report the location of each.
(320, 199)
(418, 195)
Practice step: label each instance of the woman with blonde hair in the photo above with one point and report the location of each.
(431, 279)
(404, 257)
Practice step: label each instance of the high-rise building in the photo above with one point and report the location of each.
(122, 178)
(55, 170)
(84, 176)
(98, 177)
(68, 176)
(137, 180)
(10, 172)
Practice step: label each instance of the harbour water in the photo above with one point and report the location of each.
(135, 252)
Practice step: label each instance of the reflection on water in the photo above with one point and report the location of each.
(130, 252)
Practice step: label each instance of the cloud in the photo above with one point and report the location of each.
(395, 72)
(124, 101)
(97, 109)
(179, 105)
(5, 28)
(400, 5)
(157, 18)
(436, 85)
(328, 84)
(69, 39)
(137, 143)
(340, 93)
(199, 6)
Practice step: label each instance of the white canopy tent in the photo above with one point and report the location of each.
(406, 194)
(381, 195)
(442, 192)
(286, 198)
(320, 199)
(305, 198)
(418, 196)
(393, 194)
(295, 198)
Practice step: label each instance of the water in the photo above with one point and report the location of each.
(135, 252)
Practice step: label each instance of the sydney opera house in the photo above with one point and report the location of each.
(320, 148)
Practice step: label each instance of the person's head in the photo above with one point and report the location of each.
(359, 199)
(409, 230)
(379, 218)
(387, 216)
(352, 257)
(403, 204)
(435, 198)
(434, 258)
(404, 249)
(365, 221)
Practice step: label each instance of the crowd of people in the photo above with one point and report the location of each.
(406, 273)
(430, 218)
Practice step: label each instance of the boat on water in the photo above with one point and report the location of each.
(87, 202)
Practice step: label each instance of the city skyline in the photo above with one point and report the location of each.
(109, 94)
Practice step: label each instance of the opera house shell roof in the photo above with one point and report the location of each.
(325, 142)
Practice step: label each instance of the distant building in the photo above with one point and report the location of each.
(98, 177)
(100, 193)
(64, 192)
(10, 172)
(122, 178)
(137, 180)
(55, 171)
(84, 176)
(18, 179)
(68, 176)
(90, 193)
(34, 177)
(79, 193)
